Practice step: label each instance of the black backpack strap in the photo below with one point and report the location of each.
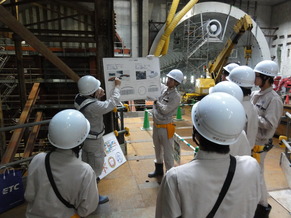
(53, 184)
(81, 102)
(225, 186)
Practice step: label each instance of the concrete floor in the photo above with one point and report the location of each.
(133, 194)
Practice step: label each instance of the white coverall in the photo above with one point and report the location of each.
(241, 146)
(74, 179)
(163, 111)
(93, 149)
(251, 127)
(270, 109)
(191, 190)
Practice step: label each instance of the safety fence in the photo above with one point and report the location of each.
(285, 159)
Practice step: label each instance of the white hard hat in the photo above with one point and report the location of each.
(88, 85)
(267, 67)
(243, 76)
(176, 74)
(219, 117)
(68, 129)
(230, 88)
(230, 67)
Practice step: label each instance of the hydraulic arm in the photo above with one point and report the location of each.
(215, 67)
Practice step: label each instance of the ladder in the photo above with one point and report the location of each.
(3, 57)
(8, 87)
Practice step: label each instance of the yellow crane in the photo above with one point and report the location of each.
(214, 68)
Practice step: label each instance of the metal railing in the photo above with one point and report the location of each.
(8, 128)
(285, 159)
(288, 135)
(18, 162)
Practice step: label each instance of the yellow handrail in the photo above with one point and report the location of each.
(170, 17)
(172, 26)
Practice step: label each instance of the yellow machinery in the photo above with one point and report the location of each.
(202, 85)
(214, 69)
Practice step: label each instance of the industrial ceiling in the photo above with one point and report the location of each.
(260, 2)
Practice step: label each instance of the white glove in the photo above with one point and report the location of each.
(150, 57)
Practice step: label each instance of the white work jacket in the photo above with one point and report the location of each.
(75, 180)
(166, 105)
(191, 190)
(251, 127)
(94, 111)
(270, 109)
(241, 146)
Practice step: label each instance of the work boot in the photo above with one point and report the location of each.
(263, 212)
(159, 171)
(103, 199)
